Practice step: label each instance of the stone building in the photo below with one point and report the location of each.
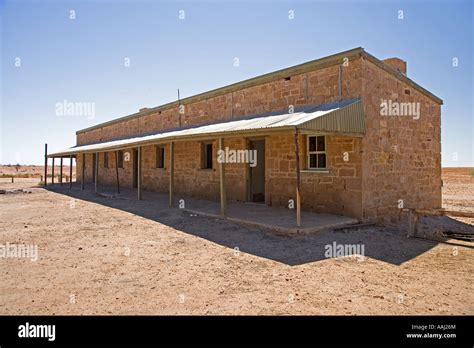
(352, 134)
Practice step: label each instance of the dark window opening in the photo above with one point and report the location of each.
(120, 158)
(206, 156)
(321, 146)
(160, 157)
(321, 160)
(312, 160)
(312, 144)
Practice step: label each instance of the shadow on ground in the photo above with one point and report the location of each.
(441, 227)
(384, 244)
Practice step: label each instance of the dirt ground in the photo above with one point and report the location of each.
(458, 189)
(98, 255)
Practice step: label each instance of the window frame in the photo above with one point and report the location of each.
(316, 152)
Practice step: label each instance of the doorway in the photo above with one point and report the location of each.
(257, 173)
(135, 169)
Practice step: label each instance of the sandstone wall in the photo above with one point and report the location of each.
(337, 190)
(401, 155)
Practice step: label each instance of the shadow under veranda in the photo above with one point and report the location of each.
(381, 243)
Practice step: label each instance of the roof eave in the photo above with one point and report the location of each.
(200, 137)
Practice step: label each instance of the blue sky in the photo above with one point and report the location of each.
(82, 59)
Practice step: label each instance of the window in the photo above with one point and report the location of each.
(106, 160)
(160, 157)
(120, 158)
(206, 155)
(316, 152)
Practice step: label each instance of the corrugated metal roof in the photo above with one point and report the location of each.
(345, 116)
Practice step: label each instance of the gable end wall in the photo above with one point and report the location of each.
(401, 155)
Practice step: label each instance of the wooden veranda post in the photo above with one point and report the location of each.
(117, 171)
(298, 197)
(70, 171)
(61, 170)
(139, 173)
(52, 173)
(171, 172)
(45, 164)
(222, 180)
(96, 176)
(83, 170)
